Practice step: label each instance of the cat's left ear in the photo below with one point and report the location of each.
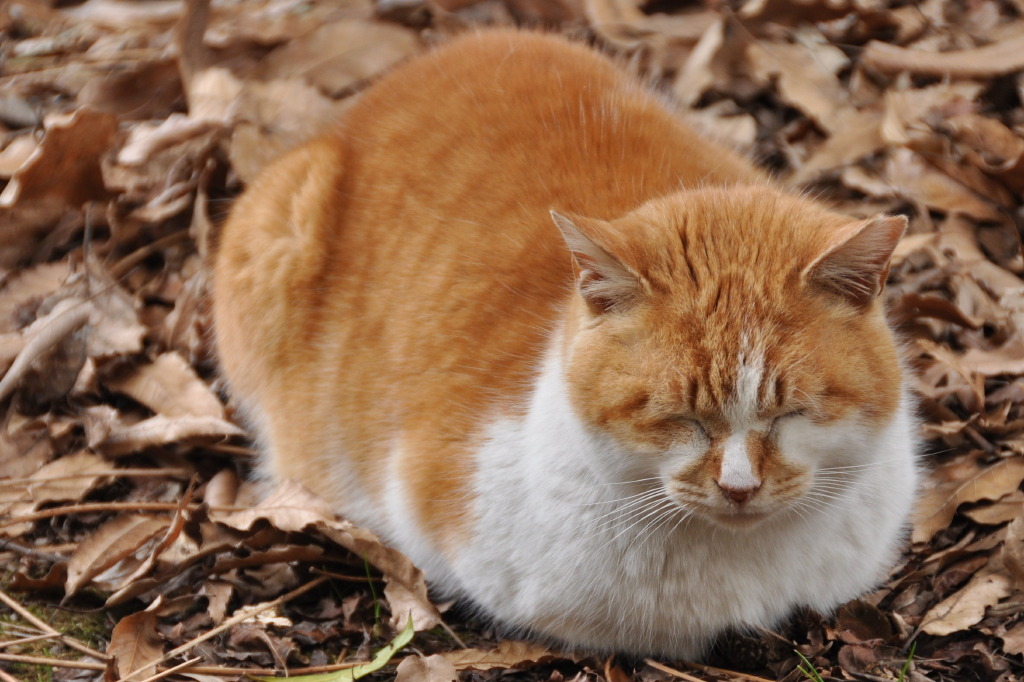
(856, 262)
(603, 281)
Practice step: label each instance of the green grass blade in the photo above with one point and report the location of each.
(906, 666)
(379, 661)
(807, 668)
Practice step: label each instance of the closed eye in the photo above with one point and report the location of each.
(788, 415)
(688, 422)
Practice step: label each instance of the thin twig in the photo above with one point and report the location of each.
(66, 639)
(672, 671)
(744, 677)
(451, 633)
(230, 622)
(67, 317)
(90, 507)
(348, 578)
(52, 662)
(171, 671)
(225, 671)
(21, 482)
(27, 640)
(34, 552)
(125, 265)
(7, 677)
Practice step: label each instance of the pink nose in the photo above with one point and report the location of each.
(739, 495)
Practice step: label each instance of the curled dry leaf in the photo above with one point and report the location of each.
(42, 336)
(15, 154)
(1013, 639)
(1006, 508)
(24, 288)
(804, 78)
(66, 479)
(508, 654)
(293, 508)
(918, 180)
(967, 606)
(218, 594)
(113, 541)
(169, 386)
(123, 438)
(1013, 552)
(290, 508)
(136, 645)
(997, 59)
(341, 55)
(405, 588)
(434, 668)
(960, 481)
(66, 166)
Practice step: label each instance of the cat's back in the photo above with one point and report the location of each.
(391, 286)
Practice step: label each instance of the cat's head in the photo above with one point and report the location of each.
(732, 343)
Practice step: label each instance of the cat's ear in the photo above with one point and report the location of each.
(603, 281)
(856, 262)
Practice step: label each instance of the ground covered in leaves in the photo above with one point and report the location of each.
(132, 544)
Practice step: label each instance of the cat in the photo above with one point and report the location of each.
(593, 372)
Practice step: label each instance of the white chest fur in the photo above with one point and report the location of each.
(559, 550)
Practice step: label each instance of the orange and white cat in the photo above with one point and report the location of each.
(588, 369)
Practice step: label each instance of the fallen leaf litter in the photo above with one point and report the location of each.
(127, 128)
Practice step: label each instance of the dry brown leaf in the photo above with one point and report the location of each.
(66, 479)
(508, 654)
(109, 544)
(135, 643)
(967, 606)
(222, 489)
(405, 589)
(1013, 640)
(143, 91)
(169, 386)
(53, 581)
(290, 507)
(997, 59)
(999, 512)
(65, 169)
(914, 178)
(804, 80)
(1013, 551)
(147, 139)
(26, 286)
(910, 113)
(124, 438)
(293, 508)
(275, 117)
(706, 65)
(794, 10)
(961, 481)
(856, 135)
(339, 56)
(434, 668)
(20, 457)
(218, 594)
(738, 130)
(16, 154)
(1006, 360)
(43, 340)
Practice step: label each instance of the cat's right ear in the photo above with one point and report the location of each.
(603, 282)
(856, 264)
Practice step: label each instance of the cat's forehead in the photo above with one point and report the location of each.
(734, 240)
(741, 379)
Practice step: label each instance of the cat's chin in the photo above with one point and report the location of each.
(738, 518)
